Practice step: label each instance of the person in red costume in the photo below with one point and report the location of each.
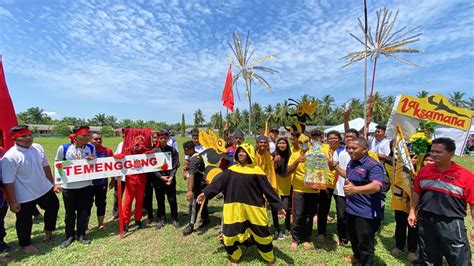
(135, 184)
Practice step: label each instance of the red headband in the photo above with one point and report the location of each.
(21, 133)
(78, 132)
(82, 131)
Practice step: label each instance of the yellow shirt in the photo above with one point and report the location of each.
(283, 185)
(297, 176)
(265, 161)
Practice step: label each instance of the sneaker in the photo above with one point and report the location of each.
(139, 224)
(160, 225)
(66, 243)
(4, 247)
(84, 240)
(176, 224)
(287, 233)
(187, 230)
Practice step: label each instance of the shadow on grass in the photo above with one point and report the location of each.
(251, 255)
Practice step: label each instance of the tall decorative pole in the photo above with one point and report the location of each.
(384, 42)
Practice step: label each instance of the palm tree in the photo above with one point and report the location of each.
(456, 99)
(470, 103)
(198, 118)
(99, 120)
(247, 67)
(258, 115)
(357, 108)
(325, 108)
(268, 112)
(378, 107)
(34, 115)
(216, 120)
(422, 94)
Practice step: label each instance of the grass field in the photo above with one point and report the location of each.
(167, 246)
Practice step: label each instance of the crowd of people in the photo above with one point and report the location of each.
(429, 220)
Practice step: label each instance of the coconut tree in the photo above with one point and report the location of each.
(470, 103)
(357, 108)
(248, 68)
(422, 94)
(456, 98)
(198, 118)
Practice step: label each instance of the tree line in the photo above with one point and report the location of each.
(327, 113)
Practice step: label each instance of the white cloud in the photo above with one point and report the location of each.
(166, 52)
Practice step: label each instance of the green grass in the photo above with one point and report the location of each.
(167, 246)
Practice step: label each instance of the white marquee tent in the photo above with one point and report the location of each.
(357, 123)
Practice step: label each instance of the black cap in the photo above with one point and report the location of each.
(239, 134)
(163, 132)
(194, 132)
(262, 138)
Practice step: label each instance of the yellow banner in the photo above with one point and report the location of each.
(435, 108)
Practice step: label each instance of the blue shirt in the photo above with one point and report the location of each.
(363, 172)
(101, 153)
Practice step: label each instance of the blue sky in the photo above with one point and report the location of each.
(154, 60)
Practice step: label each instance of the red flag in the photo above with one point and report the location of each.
(227, 93)
(7, 114)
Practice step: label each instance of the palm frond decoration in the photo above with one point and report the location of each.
(248, 69)
(385, 42)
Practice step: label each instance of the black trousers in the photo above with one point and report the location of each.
(362, 235)
(115, 208)
(442, 236)
(161, 189)
(3, 213)
(401, 226)
(99, 197)
(194, 210)
(341, 218)
(24, 218)
(76, 204)
(305, 206)
(287, 205)
(148, 199)
(323, 209)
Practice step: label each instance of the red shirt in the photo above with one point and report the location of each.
(445, 193)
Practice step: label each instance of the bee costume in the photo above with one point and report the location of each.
(245, 189)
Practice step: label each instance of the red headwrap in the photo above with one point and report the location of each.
(81, 131)
(21, 133)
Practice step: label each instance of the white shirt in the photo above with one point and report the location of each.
(23, 167)
(272, 146)
(343, 158)
(173, 143)
(75, 153)
(380, 147)
(198, 148)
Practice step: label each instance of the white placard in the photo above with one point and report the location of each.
(70, 171)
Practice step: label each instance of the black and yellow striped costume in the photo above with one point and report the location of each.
(245, 218)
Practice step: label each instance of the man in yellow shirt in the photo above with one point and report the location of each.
(305, 199)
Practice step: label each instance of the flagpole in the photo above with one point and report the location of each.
(366, 129)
